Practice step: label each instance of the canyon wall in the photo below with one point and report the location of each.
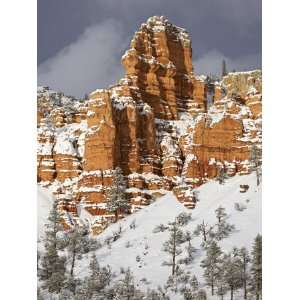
(165, 127)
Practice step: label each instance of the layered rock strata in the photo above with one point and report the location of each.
(165, 127)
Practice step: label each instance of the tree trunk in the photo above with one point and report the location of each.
(245, 283)
(116, 216)
(212, 288)
(173, 263)
(73, 262)
(174, 255)
(231, 293)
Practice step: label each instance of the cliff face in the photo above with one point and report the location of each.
(166, 128)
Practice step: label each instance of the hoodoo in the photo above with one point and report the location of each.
(166, 128)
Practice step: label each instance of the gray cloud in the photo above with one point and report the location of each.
(76, 54)
(92, 61)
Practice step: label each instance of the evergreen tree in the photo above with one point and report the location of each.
(99, 278)
(190, 249)
(223, 230)
(172, 245)
(52, 266)
(256, 267)
(159, 294)
(255, 158)
(222, 287)
(187, 237)
(244, 256)
(221, 215)
(212, 264)
(116, 199)
(193, 291)
(221, 175)
(126, 289)
(78, 242)
(203, 229)
(232, 275)
(224, 68)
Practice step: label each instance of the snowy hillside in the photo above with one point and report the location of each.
(146, 244)
(45, 200)
(142, 242)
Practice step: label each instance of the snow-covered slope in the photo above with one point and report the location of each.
(146, 244)
(45, 200)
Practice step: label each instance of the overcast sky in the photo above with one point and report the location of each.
(80, 42)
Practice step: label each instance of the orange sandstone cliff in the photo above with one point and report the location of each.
(165, 127)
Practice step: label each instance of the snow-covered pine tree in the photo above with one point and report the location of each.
(192, 291)
(78, 242)
(158, 294)
(255, 158)
(221, 284)
(52, 266)
(231, 267)
(172, 245)
(212, 265)
(245, 259)
(223, 230)
(116, 201)
(99, 278)
(190, 249)
(221, 215)
(71, 286)
(126, 287)
(221, 175)
(256, 267)
(183, 218)
(179, 281)
(203, 229)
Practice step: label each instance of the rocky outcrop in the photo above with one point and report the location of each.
(165, 127)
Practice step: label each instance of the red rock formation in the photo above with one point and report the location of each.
(166, 128)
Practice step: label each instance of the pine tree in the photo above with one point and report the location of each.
(224, 68)
(211, 265)
(221, 175)
(256, 267)
(52, 266)
(190, 249)
(159, 294)
(172, 245)
(221, 215)
(193, 290)
(255, 158)
(99, 278)
(222, 287)
(116, 198)
(78, 242)
(223, 230)
(202, 228)
(232, 275)
(126, 289)
(221, 284)
(244, 256)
